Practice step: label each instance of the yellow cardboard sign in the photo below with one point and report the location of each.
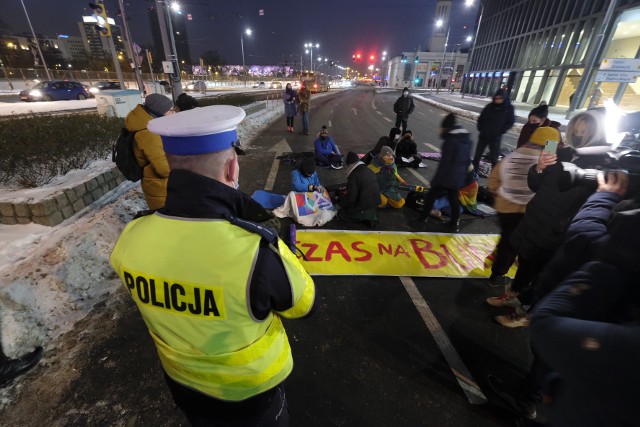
(383, 253)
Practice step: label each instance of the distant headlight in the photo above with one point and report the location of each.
(94, 90)
(35, 93)
(190, 87)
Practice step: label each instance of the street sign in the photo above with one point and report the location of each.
(167, 67)
(617, 76)
(620, 64)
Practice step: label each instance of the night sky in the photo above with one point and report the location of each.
(341, 27)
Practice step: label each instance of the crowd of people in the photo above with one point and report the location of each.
(574, 285)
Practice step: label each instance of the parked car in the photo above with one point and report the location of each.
(276, 85)
(199, 86)
(55, 91)
(100, 86)
(258, 85)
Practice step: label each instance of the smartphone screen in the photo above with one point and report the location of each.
(551, 146)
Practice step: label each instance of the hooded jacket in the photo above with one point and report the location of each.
(150, 156)
(404, 106)
(496, 119)
(456, 158)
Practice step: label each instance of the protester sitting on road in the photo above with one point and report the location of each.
(327, 152)
(588, 334)
(219, 291)
(452, 170)
(390, 141)
(186, 102)
(12, 368)
(407, 152)
(388, 178)
(305, 178)
(148, 148)
(537, 118)
(362, 195)
(508, 184)
(549, 213)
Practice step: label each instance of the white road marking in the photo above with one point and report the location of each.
(420, 112)
(433, 147)
(355, 112)
(470, 388)
(420, 178)
(329, 123)
(379, 113)
(388, 119)
(280, 148)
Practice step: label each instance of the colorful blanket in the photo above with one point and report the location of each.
(309, 209)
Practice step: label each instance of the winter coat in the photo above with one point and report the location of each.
(289, 99)
(586, 234)
(301, 182)
(456, 158)
(404, 106)
(495, 120)
(149, 155)
(303, 98)
(363, 192)
(387, 177)
(326, 147)
(587, 332)
(406, 148)
(550, 211)
(529, 128)
(509, 186)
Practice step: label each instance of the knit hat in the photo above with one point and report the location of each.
(541, 111)
(324, 129)
(352, 158)
(406, 89)
(186, 102)
(308, 166)
(385, 150)
(544, 133)
(449, 122)
(158, 104)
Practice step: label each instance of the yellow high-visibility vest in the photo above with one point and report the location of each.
(190, 279)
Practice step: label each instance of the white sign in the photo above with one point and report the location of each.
(617, 76)
(167, 67)
(621, 64)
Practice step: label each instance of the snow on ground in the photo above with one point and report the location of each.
(14, 108)
(50, 277)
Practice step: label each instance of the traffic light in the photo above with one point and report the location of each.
(372, 57)
(357, 56)
(100, 13)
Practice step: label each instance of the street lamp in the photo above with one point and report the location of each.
(439, 24)
(467, 65)
(244, 68)
(44, 64)
(309, 50)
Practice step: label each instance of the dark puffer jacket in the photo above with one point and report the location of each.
(550, 211)
(363, 192)
(495, 120)
(404, 106)
(456, 158)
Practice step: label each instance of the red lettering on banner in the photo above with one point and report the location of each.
(401, 251)
(475, 252)
(382, 248)
(336, 248)
(312, 248)
(427, 247)
(367, 255)
(453, 258)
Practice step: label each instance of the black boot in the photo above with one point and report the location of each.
(454, 226)
(10, 369)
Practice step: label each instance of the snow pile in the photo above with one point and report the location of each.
(9, 109)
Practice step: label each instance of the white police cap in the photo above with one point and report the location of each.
(199, 131)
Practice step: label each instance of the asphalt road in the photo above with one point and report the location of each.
(365, 358)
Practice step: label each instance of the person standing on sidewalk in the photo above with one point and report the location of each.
(289, 99)
(495, 120)
(403, 107)
(213, 298)
(304, 97)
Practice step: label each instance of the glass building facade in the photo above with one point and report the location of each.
(539, 50)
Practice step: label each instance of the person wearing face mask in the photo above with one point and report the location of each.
(289, 99)
(148, 147)
(495, 120)
(362, 196)
(305, 178)
(384, 166)
(390, 141)
(210, 282)
(327, 152)
(403, 107)
(452, 170)
(537, 118)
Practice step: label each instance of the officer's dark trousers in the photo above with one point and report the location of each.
(401, 120)
(494, 151)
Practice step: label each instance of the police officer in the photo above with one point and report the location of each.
(211, 283)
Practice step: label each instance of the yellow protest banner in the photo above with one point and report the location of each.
(383, 253)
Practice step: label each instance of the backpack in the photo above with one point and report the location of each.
(124, 158)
